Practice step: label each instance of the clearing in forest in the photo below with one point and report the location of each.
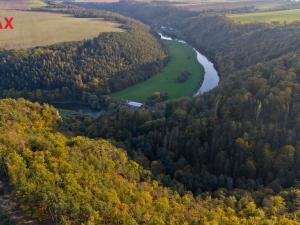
(281, 17)
(182, 76)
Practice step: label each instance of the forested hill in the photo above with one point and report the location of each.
(54, 179)
(83, 70)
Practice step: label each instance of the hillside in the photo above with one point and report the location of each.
(82, 70)
(76, 180)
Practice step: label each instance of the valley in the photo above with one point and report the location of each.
(214, 142)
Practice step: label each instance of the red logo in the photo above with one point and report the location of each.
(7, 23)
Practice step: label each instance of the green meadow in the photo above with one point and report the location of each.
(182, 58)
(283, 16)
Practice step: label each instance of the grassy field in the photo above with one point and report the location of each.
(40, 28)
(269, 5)
(287, 16)
(182, 58)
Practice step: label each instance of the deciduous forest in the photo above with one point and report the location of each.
(75, 180)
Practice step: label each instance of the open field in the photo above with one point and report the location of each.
(182, 58)
(40, 28)
(37, 3)
(217, 5)
(227, 5)
(287, 16)
(269, 5)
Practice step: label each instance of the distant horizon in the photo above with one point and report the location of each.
(15, 4)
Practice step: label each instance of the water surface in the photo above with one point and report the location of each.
(211, 76)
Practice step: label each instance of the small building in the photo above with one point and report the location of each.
(134, 105)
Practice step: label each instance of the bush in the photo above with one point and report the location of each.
(183, 77)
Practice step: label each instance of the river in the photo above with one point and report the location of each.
(211, 80)
(211, 76)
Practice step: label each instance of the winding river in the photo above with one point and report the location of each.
(211, 80)
(211, 76)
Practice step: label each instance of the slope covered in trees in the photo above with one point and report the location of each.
(245, 133)
(82, 70)
(236, 137)
(76, 180)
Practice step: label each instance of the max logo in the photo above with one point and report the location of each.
(6, 24)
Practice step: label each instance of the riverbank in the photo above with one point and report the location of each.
(211, 76)
(183, 59)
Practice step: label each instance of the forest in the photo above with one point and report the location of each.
(235, 138)
(84, 70)
(76, 180)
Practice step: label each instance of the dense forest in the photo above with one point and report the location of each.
(82, 70)
(76, 180)
(245, 133)
(245, 137)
